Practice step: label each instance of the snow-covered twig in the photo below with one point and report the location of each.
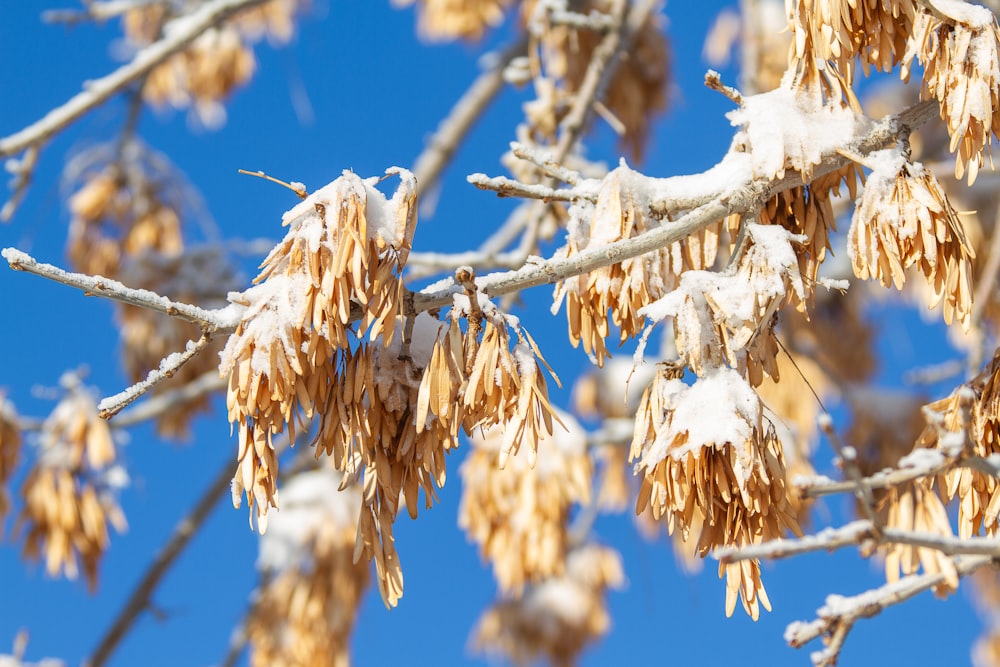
(836, 618)
(543, 160)
(881, 479)
(154, 407)
(508, 187)
(827, 539)
(223, 320)
(177, 35)
(859, 532)
(728, 198)
(467, 110)
(169, 365)
(96, 11)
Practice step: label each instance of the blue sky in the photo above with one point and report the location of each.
(376, 93)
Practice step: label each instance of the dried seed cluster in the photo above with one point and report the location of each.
(457, 19)
(560, 55)
(10, 450)
(836, 32)
(517, 515)
(219, 61)
(476, 380)
(962, 72)
(121, 211)
(905, 219)
(68, 495)
(339, 261)
(709, 442)
(312, 589)
(622, 289)
(557, 618)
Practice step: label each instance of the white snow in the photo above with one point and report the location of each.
(310, 501)
(789, 127)
(719, 409)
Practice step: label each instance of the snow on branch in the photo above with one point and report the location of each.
(169, 365)
(726, 197)
(836, 618)
(177, 34)
(222, 320)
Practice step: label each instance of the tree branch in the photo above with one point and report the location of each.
(839, 614)
(177, 35)
(467, 110)
(222, 320)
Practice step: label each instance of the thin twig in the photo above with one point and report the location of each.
(140, 599)
(169, 365)
(827, 539)
(508, 187)
(222, 320)
(96, 11)
(154, 407)
(836, 618)
(23, 171)
(177, 35)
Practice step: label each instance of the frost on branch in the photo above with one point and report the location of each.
(904, 219)
(342, 255)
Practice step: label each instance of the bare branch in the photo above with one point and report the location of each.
(453, 129)
(827, 539)
(177, 35)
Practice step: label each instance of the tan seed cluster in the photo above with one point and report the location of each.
(219, 61)
(67, 504)
(560, 55)
(833, 33)
(476, 380)
(905, 219)
(691, 467)
(306, 611)
(120, 213)
(443, 20)
(622, 289)
(340, 261)
(808, 210)
(557, 618)
(369, 430)
(517, 515)
(916, 507)
(10, 450)
(962, 72)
